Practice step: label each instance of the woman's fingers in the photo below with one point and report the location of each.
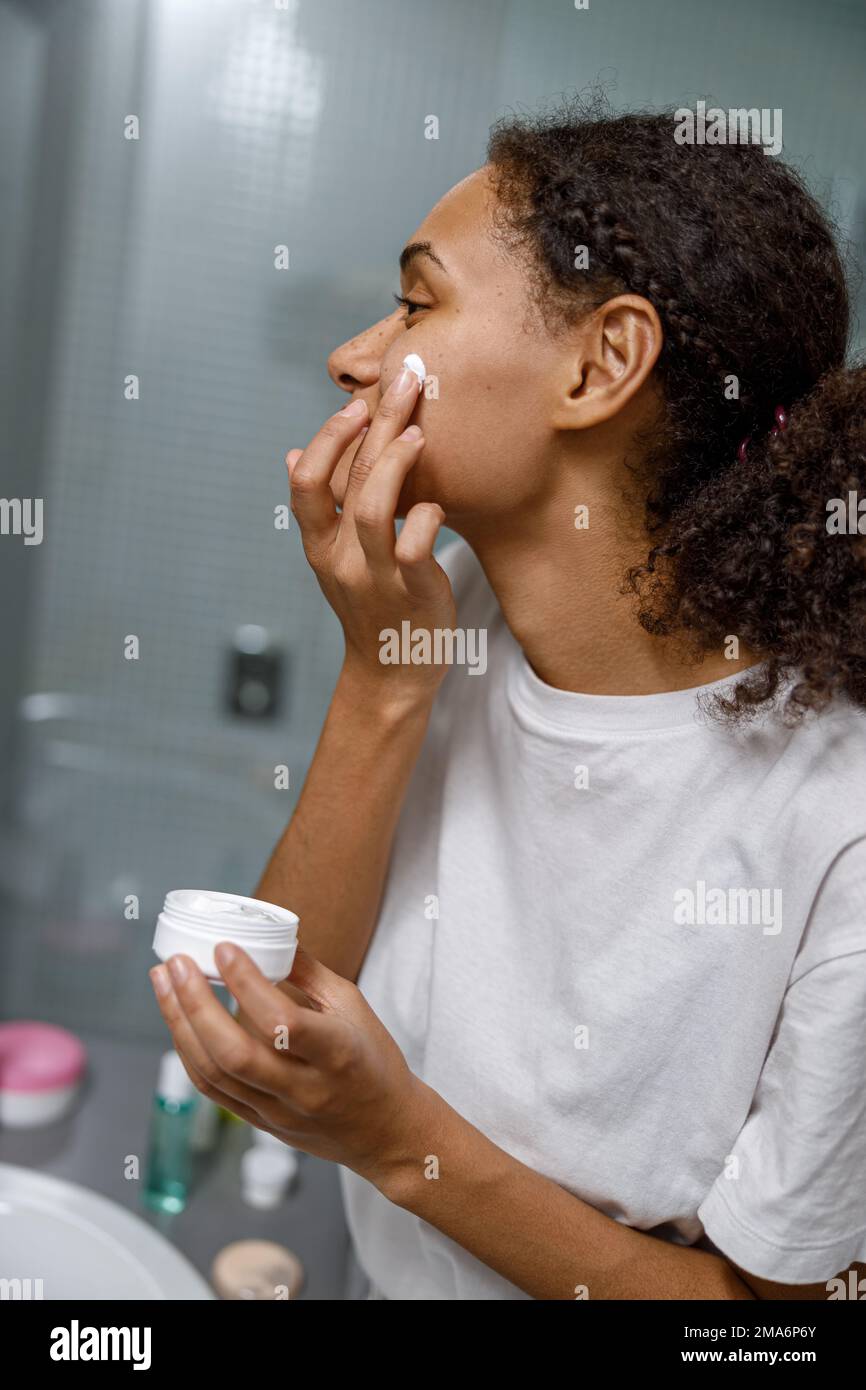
(310, 473)
(190, 1046)
(413, 552)
(377, 501)
(237, 1107)
(231, 1060)
(392, 415)
(304, 1035)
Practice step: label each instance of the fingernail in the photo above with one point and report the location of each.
(405, 382)
(412, 432)
(225, 953)
(178, 969)
(358, 407)
(161, 982)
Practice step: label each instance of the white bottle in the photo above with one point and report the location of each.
(268, 1167)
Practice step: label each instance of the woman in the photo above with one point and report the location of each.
(604, 899)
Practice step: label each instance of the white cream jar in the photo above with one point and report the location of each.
(193, 921)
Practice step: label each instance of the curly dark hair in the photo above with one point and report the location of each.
(741, 265)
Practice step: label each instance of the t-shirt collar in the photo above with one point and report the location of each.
(574, 712)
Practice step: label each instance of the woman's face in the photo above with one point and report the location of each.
(488, 432)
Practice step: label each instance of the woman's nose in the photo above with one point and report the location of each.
(356, 363)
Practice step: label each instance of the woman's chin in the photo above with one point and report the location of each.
(417, 488)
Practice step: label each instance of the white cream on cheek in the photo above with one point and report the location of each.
(415, 364)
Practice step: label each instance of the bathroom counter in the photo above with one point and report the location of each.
(112, 1121)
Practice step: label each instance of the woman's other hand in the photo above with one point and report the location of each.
(327, 1077)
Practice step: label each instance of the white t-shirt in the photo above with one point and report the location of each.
(647, 977)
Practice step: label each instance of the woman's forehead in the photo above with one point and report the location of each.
(459, 228)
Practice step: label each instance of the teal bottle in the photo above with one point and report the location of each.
(169, 1159)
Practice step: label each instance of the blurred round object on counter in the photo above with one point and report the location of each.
(257, 1271)
(41, 1071)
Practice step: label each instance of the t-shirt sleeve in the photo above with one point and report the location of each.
(790, 1204)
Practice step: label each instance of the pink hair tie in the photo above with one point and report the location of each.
(780, 415)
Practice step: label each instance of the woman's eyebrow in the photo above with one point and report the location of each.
(415, 249)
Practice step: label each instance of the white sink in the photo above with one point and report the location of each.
(83, 1246)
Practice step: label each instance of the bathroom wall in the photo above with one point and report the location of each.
(23, 47)
(259, 125)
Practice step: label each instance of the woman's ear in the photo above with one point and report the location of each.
(604, 368)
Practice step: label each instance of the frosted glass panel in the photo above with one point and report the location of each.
(260, 124)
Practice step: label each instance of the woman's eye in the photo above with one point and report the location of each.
(410, 305)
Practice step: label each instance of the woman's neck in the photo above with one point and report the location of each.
(560, 590)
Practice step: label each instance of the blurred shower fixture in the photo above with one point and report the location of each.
(255, 682)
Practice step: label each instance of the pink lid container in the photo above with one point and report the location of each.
(39, 1057)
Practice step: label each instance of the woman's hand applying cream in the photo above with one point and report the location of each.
(330, 864)
(373, 580)
(324, 1076)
